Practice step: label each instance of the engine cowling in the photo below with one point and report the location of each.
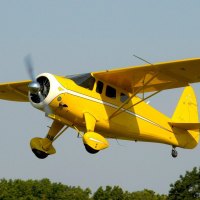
(49, 88)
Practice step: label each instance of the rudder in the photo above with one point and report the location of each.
(186, 117)
(187, 108)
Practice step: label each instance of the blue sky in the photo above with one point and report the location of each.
(69, 37)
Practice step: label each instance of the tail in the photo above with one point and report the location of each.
(186, 114)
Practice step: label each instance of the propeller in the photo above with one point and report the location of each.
(35, 87)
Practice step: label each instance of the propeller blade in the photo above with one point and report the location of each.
(29, 67)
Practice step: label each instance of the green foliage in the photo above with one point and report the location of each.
(40, 190)
(116, 193)
(187, 187)
(145, 195)
(45, 190)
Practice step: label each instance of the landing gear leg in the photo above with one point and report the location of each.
(174, 152)
(93, 142)
(90, 125)
(54, 130)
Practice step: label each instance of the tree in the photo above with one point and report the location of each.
(45, 190)
(115, 193)
(40, 190)
(144, 195)
(187, 187)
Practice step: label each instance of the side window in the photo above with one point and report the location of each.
(99, 87)
(110, 92)
(123, 97)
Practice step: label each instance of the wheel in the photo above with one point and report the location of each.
(40, 154)
(90, 149)
(174, 153)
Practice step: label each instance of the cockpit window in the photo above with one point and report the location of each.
(99, 87)
(110, 92)
(123, 97)
(83, 80)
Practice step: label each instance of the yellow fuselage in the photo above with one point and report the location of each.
(140, 123)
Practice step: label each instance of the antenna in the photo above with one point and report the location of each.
(119, 143)
(142, 59)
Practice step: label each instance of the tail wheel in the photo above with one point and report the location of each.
(40, 154)
(174, 153)
(90, 149)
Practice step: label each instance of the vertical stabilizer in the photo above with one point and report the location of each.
(187, 109)
(186, 117)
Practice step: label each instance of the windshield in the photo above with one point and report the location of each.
(83, 80)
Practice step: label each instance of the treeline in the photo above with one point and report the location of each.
(44, 189)
(186, 188)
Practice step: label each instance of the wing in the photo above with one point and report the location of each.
(155, 77)
(15, 91)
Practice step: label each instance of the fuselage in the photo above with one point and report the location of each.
(70, 99)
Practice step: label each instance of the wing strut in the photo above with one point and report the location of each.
(121, 110)
(133, 95)
(125, 109)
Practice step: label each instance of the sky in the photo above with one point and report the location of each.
(69, 37)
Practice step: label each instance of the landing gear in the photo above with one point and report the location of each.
(39, 154)
(90, 149)
(43, 147)
(174, 152)
(92, 141)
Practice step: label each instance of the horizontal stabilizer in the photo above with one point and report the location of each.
(186, 126)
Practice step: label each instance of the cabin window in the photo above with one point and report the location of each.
(84, 80)
(123, 97)
(110, 92)
(99, 87)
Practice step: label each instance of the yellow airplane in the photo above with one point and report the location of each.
(105, 104)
